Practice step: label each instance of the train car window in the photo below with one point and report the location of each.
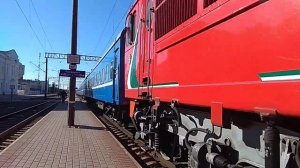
(111, 69)
(100, 78)
(207, 3)
(96, 79)
(107, 72)
(103, 76)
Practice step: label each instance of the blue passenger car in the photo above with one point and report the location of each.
(105, 84)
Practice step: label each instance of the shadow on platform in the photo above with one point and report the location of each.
(78, 106)
(90, 127)
(81, 106)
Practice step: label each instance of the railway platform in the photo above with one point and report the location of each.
(51, 143)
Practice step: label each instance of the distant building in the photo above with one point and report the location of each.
(30, 87)
(11, 70)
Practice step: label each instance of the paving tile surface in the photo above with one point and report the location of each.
(51, 143)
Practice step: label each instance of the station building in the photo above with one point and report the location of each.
(31, 87)
(11, 70)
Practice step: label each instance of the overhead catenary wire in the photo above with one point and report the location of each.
(41, 25)
(36, 36)
(103, 30)
(119, 23)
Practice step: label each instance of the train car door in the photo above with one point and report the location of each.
(139, 49)
(132, 52)
(113, 73)
(147, 48)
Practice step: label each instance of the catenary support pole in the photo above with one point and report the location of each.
(71, 114)
(46, 78)
(58, 85)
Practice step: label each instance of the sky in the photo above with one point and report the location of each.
(33, 27)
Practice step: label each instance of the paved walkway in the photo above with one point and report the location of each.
(51, 143)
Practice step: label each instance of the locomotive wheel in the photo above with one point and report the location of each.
(169, 145)
(168, 115)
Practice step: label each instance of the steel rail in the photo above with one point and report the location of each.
(4, 134)
(23, 110)
(135, 147)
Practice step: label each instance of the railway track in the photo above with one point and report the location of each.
(7, 108)
(14, 124)
(146, 158)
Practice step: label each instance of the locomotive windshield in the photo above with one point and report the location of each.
(130, 35)
(149, 14)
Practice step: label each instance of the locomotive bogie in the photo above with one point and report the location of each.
(243, 143)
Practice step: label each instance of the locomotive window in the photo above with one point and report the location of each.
(207, 3)
(132, 27)
(149, 14)
(128, 30)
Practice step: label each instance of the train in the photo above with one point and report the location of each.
(215, 83)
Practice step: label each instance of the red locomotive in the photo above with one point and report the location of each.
(220, 78)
